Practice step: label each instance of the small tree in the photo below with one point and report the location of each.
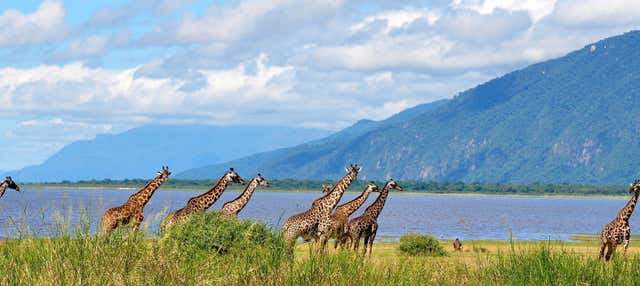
(415, 244)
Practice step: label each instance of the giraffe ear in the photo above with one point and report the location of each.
(346, 169)
(231, 169)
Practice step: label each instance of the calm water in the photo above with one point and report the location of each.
(466, 217)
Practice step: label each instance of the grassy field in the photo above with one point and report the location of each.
(213, 251)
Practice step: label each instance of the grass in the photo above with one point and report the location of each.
(254, 255)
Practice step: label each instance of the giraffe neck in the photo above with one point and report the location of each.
(330, 200)
(210, 197)
(375, 208)
(142, 197)
(244, 198)
(625, 213)
(3, 187)
(350, 207)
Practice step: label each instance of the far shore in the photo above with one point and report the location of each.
(274, 190)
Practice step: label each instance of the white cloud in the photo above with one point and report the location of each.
(237, 21)
(595, 13)
(44, 25)
(82, 90)
(380, 79)
(537, 9)
(171, 63)
(395, 19)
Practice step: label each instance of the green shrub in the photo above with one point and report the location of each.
(416, 244)
(209, 233)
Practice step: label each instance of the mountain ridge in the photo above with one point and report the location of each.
(570, 119)
(141, 151)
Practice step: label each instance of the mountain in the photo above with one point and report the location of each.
(140, 152)
(573, 119)
(365, 125)
(302, 152)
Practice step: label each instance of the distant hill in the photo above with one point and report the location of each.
(303, 152)
(571, 119)
(140, 152)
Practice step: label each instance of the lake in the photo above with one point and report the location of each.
(448, 217)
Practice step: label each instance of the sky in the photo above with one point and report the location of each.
(70, 70)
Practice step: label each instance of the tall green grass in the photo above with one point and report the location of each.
(211, 250)
(544, 266)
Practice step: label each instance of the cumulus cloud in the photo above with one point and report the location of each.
(593, 13)
(269, 62)
(537, 9)
(44, 25)
(238, 21)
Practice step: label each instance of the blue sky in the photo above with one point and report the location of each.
(72, 69)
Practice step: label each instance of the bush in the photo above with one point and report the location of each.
(416, 244)
(209, 233)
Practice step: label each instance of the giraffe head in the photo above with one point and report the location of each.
(164, 174)
(326, 188)
(11, 184)
(393, 185)
(262, 182)
(353, 170)
(635, 187)
(372, 187)
(233, 177)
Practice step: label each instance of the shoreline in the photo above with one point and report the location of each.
(404, 193)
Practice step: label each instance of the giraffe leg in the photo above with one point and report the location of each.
(603, 245)
(611, 251)
(356, 242)
(346, 242)
(366, 242)
(625, 245)
(373, 237)
(291, 246)
(137, 221)
(322, 245)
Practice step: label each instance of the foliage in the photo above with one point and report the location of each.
(544, 266)
(208, 233)
(357, 186)
(421, 245)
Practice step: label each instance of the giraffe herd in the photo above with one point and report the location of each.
(323, 220)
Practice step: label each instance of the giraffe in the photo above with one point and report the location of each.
(333, 226)
(232, 208)
(8, 183)
(305, 224)
(203, 201)
(132, 210)
(366, 225)
(326, 188)
(457, 245)
(618, 230)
